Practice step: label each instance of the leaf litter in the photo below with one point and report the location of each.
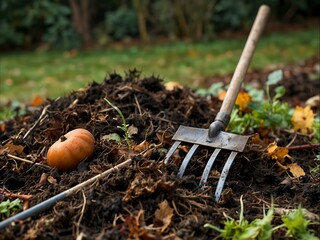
(144, 200)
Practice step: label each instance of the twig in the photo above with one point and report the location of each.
(23, 197)
(81, 214)
(304, 146)
(27, 161)
(42, 116)
(138, 105)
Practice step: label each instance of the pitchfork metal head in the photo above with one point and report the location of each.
(199, 136)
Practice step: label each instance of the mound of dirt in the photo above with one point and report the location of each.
(145, 199)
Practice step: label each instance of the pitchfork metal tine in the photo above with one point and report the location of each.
(173, 148)
(186, 160)
(208, 167)
(224, 175)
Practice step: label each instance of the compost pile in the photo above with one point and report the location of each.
(145, 199)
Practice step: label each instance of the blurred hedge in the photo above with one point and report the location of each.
(28, 24)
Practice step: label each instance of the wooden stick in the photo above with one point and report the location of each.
(304, 146)
(23, 197)
(27, 161)
(59, 197)
(43, 115)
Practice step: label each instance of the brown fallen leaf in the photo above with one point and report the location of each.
(144, 145)
(137, 227)
(144, 185)
(43, 179)
(11, 149)
(163, 216)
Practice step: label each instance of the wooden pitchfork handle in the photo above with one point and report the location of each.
(223, 117)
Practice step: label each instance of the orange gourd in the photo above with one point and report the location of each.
(71, 149)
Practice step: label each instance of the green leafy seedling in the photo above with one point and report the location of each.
(297, 225)
(316, 130)
(260, 229)
(316, 170)
(8, 207)
(270, 113)
(124, 126)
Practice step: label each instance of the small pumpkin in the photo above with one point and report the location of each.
(71, 149)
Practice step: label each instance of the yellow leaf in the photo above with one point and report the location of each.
(163, 216)
(172, 85)
(296, 170)
(302, 119)
(277, 153)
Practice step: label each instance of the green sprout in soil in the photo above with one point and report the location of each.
(124, 125)
(294, 223)
(243, 229)
(8, 207)
(297, 225)
(272, 112)
(316, 170)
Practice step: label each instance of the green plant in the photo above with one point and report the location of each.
(316, 129)
(271, 112)
(297, 225)
(316, 170)
(243, 229)
(124, 125)
(8, 207)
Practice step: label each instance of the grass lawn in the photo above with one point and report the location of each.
(24, 75)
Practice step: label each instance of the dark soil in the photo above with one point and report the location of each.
(125, 204)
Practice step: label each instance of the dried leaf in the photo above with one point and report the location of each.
(302, 119)
(137, 229)
(144, 185)
(172, 85)
(164, 137)
(184, 148)
(277, 153)
(12, 149)
(2, 127)
(163, 216)
(132, 130)
(43, 179)
(37, 101)
(296, 170)
(52, 180)
(141, 146)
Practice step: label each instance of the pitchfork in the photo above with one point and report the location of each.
(215, 135)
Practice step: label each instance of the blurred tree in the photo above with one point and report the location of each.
(141, 8)
(81, 19)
